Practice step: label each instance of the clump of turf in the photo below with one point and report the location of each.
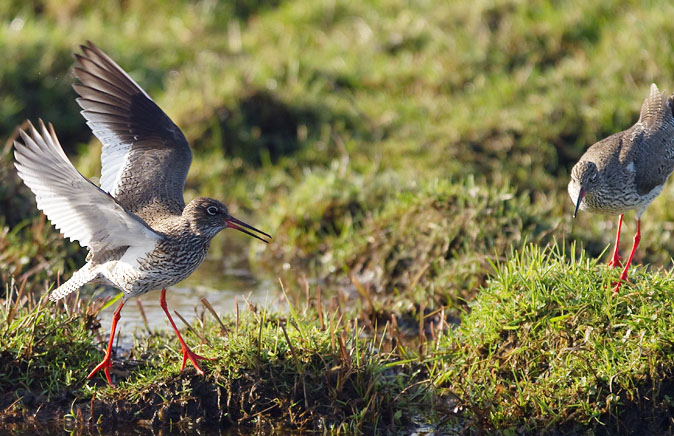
(549, 347)
(314, 369)
(45, 352)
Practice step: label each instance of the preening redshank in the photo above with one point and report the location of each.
(140, 234)
(627, 170)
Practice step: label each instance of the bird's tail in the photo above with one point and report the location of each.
(657, 110)
(79, 279)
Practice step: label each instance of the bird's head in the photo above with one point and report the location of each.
(208, 216)
(584, 181)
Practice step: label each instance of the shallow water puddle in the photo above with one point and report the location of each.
(220, 281)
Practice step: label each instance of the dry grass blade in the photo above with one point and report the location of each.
(17, 301)
(141, 309)
(364, 292)
(319, 307)
(236, 311)
(189, 327)
(210, 308)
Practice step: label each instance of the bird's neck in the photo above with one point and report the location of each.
(192, 227)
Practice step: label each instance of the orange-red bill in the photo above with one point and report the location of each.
(239, 225)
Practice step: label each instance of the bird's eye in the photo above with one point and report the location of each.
(212, 210)
(594, 177)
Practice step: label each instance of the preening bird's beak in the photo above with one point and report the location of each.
(581, 194)
(239, 225)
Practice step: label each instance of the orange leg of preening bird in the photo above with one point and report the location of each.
(637, 238)
(106, 364)
(187, 353)
(615, 259)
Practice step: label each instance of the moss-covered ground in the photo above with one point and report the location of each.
(410, 160)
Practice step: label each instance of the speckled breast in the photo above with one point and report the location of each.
(172, 261)
(614, 201)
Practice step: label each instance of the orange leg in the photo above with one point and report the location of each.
(615, 259)
(187, 353)
(106, 364)
(637, 238)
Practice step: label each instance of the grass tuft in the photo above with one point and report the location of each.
(548, 346)
(45, 350)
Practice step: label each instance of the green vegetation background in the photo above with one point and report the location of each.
(391, 147)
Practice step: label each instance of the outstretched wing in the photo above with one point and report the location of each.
(145, 156)
(74, 205)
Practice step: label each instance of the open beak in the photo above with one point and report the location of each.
(581, 194)
(239, 225)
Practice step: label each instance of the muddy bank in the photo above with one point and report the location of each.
(188, 400)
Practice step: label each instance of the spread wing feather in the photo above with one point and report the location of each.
(145, 156)
(74, 205)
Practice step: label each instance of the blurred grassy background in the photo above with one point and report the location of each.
(396, 143)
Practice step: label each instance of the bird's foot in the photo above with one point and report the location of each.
(616, 286)
(615, 262)
(194, 357)
(622, 280)
(106, 364)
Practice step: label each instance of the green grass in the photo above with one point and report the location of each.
(406, 241)
(546, 347)
(278, 369)
(317, 368)
(394, 150)
(549, 347)
(44, 349)
(274, 96)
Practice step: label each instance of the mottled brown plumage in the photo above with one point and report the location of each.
(140, 234)
(627, 170)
